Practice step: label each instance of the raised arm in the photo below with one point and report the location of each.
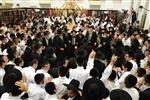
(109, 68)
(90, 62)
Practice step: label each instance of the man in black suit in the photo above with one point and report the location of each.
(134, 17)
(28, 54)
(91, 37)
(72, 43)
(47, 41)
(60, 45)
(80, 38)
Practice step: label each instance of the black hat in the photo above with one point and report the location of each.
(119, 94)
(30, 42)
(2, 37)
(81, 53)
(145, 95)
(99, 54)
(94, 89)
(10, 78)
(37, 46)
(74, 85)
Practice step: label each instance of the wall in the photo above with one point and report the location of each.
(115, 4)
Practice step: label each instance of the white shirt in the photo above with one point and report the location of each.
(22, 46)
(18, 51)
(29, 73)
(47, 20)
(133, 93)
(143, 62)
(144, 87)
(109, 84)
(4, 28)
(11, 63)
(144, 48)
(122, 78)
(126, 42)
(36, 92)
(61, 89)
(148, 34)
(107, 72)
(134, 68)
(47, 76)
(7, 96)
(2, 73)
(18, 67)
(80, 73)
(51, 97)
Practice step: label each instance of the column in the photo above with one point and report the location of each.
(141, 11)
(147, 21)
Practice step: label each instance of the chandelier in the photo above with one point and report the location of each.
(70, 6)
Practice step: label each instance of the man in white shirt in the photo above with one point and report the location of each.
(131, 59)
(130, 82)
(80, 73)
(45, 68)
(109, 76)
(4, 27)
(35, 90)
(145, 83)
(51, 90)
(126, 71)
(126, 41)
(29, 72)
(61, 89)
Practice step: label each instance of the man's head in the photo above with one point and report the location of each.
(39, 78)
(127, 66)
(62, 71)
(10, 78)
(34, 63)
(50, 88)
(130, 81)
(72, 88)
(46, 66)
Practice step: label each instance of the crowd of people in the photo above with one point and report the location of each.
(74, 58)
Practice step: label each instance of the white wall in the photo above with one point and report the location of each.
(15, 2)
(115, 4)
(26, 3)
(106, 4)
(127, 5)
